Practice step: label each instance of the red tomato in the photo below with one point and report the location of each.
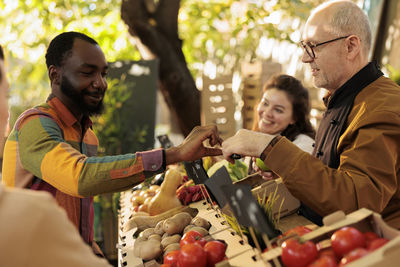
(171, 258)
(346, 239)
(324, 261)
(192, 255)
(377, 243)
(353, 255)
(202, 242)
(298, 230)
(215, 251)
(296, 254)
(165, 265)
(369, 236)
(192, 237)
(327, 252)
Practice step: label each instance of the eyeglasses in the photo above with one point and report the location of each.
(309, 47)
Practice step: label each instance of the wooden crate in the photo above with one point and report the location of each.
(254, 75)
(217, 104)
(251, 96)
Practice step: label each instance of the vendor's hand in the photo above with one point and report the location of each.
(266, 175)
(192, 148)
(245, 143)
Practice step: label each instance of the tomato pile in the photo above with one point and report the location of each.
(196, 251)
(347, 245)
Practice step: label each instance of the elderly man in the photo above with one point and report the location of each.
(356, 160)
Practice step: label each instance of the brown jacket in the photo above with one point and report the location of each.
(368, 174)
(35, 231)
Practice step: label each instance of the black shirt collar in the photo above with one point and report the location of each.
(359, 81)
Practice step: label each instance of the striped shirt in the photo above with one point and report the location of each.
(49, 149)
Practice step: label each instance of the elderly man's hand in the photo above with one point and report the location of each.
(245, 143)
(193, 148)
(266, 175)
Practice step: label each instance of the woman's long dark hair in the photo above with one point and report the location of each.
(298, 96)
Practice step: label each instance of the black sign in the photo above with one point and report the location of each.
(196, 171)
(219, 178)
(246, 209)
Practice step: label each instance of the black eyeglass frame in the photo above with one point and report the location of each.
(312, 46)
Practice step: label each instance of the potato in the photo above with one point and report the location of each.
(169, 240)
(146, 233)
(183, 217)
(152, 263)
(187, 228)
(164, 236)
(159, 228)
(177, 223)
(155, 236)
(140, 239)
(139, 213)
(171, 247)
(201, 230)
(198, 221)
(171, 226)
(147, 250)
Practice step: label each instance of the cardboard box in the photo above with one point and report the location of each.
(260, 186)
(253, 180)
(362, 219)
(290, 203)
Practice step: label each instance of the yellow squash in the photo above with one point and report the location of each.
(166, 199)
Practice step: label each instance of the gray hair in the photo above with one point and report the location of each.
(347, 18)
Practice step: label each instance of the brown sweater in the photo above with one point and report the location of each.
(368, 173)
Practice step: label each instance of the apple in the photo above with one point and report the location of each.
(260, 164)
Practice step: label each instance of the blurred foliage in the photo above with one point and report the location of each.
(111, 127)
(226, 32)
(28, 27)
(394, 73)
(223, 32)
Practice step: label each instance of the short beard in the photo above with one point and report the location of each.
(78, 97)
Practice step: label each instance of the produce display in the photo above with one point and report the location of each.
(180, 238)
(172, 224)
(159, 228)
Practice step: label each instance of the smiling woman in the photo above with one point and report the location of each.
(284, 110)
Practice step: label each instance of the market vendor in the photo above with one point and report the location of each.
(355, 162)
(35, 230)
(52, 146)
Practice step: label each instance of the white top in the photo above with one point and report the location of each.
(304, 142)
